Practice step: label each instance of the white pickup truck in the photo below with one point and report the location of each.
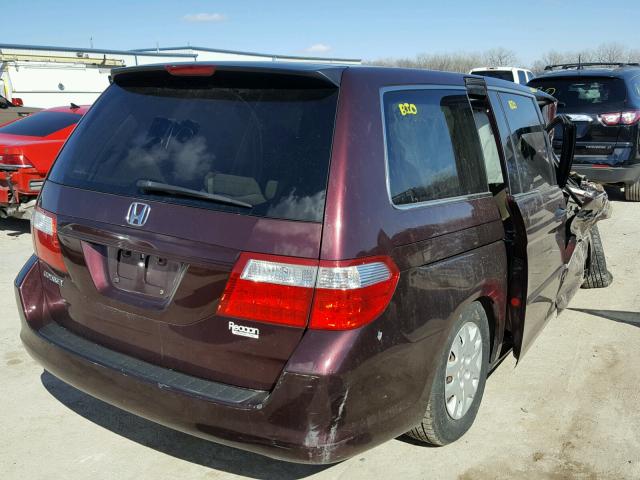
(512, 74)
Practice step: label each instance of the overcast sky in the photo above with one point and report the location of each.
(358, 28)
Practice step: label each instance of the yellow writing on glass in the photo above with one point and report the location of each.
(408, 109)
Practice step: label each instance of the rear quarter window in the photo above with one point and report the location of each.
(433, 149)
(41, 124)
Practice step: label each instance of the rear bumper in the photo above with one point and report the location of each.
(609, 175)
(306, 418)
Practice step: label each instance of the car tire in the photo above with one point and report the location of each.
(597, 274)
(438, 426)
(632, 192)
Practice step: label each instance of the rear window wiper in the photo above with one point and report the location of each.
(151, 186)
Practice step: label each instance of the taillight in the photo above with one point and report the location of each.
(286, 291)
(45, 239)
(353, 293)
(610, 119)
(625, 118)
(12, 161)
(17, 102)
(270, 289)
(629, 118)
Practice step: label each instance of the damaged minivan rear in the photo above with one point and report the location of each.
(303, 261)
(214, 172)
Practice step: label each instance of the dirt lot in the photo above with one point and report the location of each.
(569, 410)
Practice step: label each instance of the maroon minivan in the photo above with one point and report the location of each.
(299, 260)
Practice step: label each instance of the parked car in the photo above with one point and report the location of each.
(511, 74)
(603, 100)
(28, 147)
(230, 251)
(10, 111)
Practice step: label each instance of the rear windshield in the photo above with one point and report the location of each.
(265, 144)
(501, 74)
(586, 94)
(41, 124)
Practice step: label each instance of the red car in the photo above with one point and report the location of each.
(28, 147)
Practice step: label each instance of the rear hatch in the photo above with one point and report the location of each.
(595, 105)
(165, 182)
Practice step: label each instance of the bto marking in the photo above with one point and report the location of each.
(408, 109)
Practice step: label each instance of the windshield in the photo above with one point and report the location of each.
(41, 124)
(267, 147)
(501, 74)
(586, 94)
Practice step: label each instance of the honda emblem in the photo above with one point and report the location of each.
(138, 214)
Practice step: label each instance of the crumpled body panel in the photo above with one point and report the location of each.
(589, 203)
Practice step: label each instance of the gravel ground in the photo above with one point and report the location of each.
(569, 409)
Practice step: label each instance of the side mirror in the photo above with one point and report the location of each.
(563, 168)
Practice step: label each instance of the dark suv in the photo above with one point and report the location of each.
(298, 260)
(603, 100)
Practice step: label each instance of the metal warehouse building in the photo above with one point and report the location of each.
(46, 76)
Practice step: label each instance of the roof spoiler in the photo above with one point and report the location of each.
(330, 74)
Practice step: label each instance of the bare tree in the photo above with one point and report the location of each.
(496, 57)
(611, 52)
(452, 62)
(633, 56)
(500, 57)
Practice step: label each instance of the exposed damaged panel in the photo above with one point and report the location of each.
(587, 204)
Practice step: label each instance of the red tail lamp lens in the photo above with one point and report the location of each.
(620, 118)
(12, 161)
(629, 118)
(284, 290)
(191, 70)
(271, 289)
(610, 119)
(353, 293)
(44, 229)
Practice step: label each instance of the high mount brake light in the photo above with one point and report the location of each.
(338, 295)
(44, 229)
(620, 118)
(12, 161)
(190, 70)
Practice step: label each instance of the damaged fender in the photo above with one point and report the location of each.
(588, 204)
